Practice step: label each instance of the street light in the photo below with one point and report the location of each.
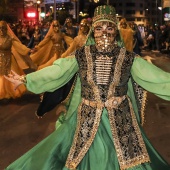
(96, 1)
(160, 8)
(51, 7)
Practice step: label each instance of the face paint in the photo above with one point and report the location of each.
(36, 29)
(56, 26)
(68, 22)
(123, 25)
(84, 26)
(104, 34)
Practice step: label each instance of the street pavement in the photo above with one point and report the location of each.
(20, 129)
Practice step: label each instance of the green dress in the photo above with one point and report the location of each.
(92, 144)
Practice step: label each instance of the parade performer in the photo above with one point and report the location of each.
(127, 34)
(13, 55)
(102, 128)
(36, 38)
(80, 39)
(137, 38)
(69, 29)
(51, 47)
(60, 97)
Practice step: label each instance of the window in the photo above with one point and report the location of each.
(154, 12)
(120, 12)
(141, 12)
(130, 12)
(114, 4)
(154, 5)
(130, 19)
(130, 4)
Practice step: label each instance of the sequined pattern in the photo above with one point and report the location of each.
(140, 95)
(103, 69)
(128, 141)
(5, 56)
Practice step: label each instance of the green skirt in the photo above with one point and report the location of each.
(51, 153)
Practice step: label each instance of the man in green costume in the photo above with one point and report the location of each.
(102, 128)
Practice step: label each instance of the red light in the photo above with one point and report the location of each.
(31, 14)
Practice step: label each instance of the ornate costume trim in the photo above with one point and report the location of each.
(131, 150)
(143, 107)
(117, 73)
(127, 139)
(101, 13)
(141, 97)
(103, 69)
(116, 122)
(5, 62)
(71, 90)
(77, 153)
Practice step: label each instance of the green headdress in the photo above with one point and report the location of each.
(105, 13)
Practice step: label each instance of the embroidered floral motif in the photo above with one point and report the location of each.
(141, 96)
(128, 141)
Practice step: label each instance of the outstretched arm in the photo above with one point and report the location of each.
(151, 78)
(16, 79)
(49, 78)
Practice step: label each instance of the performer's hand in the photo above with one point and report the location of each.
(16, 79)
(148, 58)
(61, 108)
(33, 50)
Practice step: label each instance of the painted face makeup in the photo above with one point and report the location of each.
(84, 26)
(56, 26)
(123, 25)
(104, 34)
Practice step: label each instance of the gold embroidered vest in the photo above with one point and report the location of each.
(104, 80)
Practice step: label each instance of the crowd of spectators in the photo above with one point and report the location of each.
(155, 38)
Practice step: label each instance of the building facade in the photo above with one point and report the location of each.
(144, 12)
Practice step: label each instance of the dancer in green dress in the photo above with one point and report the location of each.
(102, 128)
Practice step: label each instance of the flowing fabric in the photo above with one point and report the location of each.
(50, 48)
(6, 88)
(127, 35)
(51, 153)
(13, 55)
(20, 52)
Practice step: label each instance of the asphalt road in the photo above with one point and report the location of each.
(20, 129)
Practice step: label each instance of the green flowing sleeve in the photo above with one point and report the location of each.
(151, 78)
(52, 77)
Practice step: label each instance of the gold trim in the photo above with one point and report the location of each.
(117, 73)
(113, 102)
(75, 158)
(71, 91)
(72, 162)
(143, 107)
